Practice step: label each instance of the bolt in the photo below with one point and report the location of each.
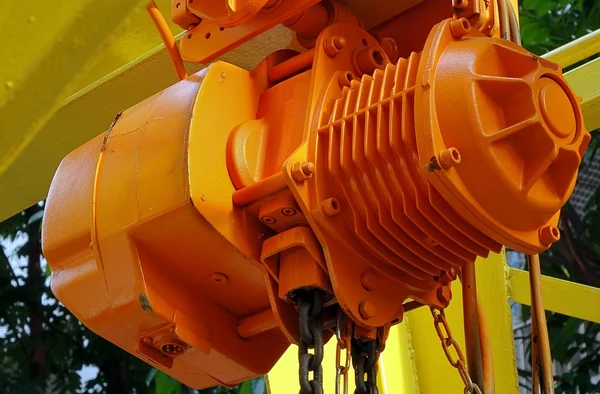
(448, 276)
(345, 79)
(460, 4)
(368, 281)
(268, 220)
(172, 349)
(444, 295)
(330, 207)
(449, 158)
(219, 278)
(147, 340)
(549, 235)
(366, 309)
(288, 212)
(459, 27)
(334, 45)
(302, 171)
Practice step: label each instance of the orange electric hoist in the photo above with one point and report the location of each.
(330, 189)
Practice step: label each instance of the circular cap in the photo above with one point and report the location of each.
(556, 108)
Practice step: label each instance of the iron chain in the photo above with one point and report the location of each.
(343, 344)
(311, 336)
(364, 360)
(443, 330)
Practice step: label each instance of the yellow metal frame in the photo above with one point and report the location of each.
(84, 60)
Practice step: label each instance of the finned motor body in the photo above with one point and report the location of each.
(189, 232)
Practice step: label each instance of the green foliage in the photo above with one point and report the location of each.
(548, 24)
(545, 25)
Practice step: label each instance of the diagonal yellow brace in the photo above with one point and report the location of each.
(585, 81)
(561, 296)
(33, 99)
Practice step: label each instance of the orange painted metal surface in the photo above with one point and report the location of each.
(133, 255)
(366, 168)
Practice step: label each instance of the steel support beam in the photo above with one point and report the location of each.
(561, 296)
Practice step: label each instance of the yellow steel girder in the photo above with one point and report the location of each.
(80, 100)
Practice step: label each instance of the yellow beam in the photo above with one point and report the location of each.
(576, 51)
(55, 115)
(434, 373)
(585, 81)
(561, 296)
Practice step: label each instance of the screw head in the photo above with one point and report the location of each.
(219, 278)
(367, 309)
(449, 158)
(288, 211)
(331, 206)
(549, 235)
(459, 27)
(268, 220)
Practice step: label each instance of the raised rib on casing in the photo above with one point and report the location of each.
(373, 162)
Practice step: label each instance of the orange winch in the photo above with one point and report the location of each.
(210, 225)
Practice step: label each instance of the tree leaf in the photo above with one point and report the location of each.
(166, 384)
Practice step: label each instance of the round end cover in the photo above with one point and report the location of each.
(518, 128)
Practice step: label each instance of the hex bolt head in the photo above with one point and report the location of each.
(449, 158)
(459, 27)
(549, 235)
(334, 45)
(368, 281)
(444, 295)
(367, 309)
(448, 276)
(301, 171)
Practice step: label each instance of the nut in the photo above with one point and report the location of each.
(334, 45)
(449, 158)
(444, 295)
(368, 281)
(448, 276)
(302, 171)
(459, 27)
(549, 235)
(330, 207)
(366, 309)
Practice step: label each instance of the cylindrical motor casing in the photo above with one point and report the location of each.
(145, 245)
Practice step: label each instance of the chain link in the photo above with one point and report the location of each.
(364, 360)
(311, 336)
(343, 343)
(448, 342)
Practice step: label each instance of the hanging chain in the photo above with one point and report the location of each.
(445, 335)
(343, 343)
(364, 359)
(311, 336)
